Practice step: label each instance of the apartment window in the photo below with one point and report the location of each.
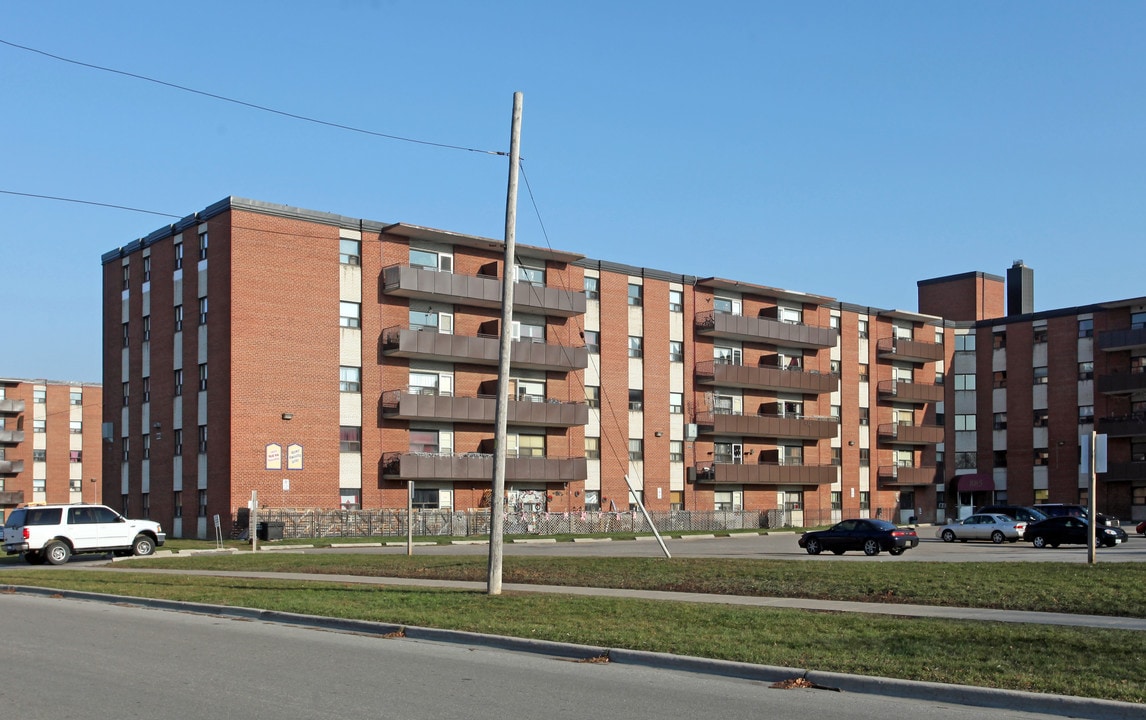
(964, 343)
(676, 351)
(75, 456)
(203, 376)
(39, 456)
(863, 329)
(676, 451)
(430, 260)
(178, 256)
(636, 400)
(146, 444)
(966, 461)
(202, 439)
(202, 503)
(126, 334)
(837, 500)
(530, 328)
(676, 403)
(836, 410)
(126, 276)
(864, 372)
(1000, 458)
(1040, 335)
(834, 322)
(964, 422)
(146, 389)
(1086, 370)
(124, 449)
(1137, 362)
(530, 446)
(676, 301)
(834, 367)
(636, 449)
(636, 346)
(790, 315)
(592, 288)
(939, 379)
(864, 416)
(938, 336)
(1000, 421)
(349, 379)
(999, 379)
(592, 448)
(726, 305)
(202, 311)
(39, 426)
(1138, 496)
(593, 396)
(350, 438)
(837, 456)
(146, 328)
(964, 381)
(999, 340)
(178, 318)
(76, 397)
(39, 396)
(1085, 414)
(147, 268)
(349, 252)
(1137, 320)
(177, 441)
(126, 394)
(39, 485)
(1085, 328)
(592, 341)
(75, 485)
(1041, 375)
(1042, 417)
(349, 314)
(636, 295)
(178, 382)
(531, 274)
(203, 245)
(1042, 457)
(177, 503)
(865, 500)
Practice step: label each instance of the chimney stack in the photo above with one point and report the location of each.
(1020, 289)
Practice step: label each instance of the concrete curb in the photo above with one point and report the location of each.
(967, 695)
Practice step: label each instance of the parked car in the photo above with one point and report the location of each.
(1141, 528)
(984, 526)
(1072, 530)
(1061, 509)
(1024, 513)
(867, 534)
(53, 533)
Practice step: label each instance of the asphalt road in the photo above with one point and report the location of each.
(780, 545)
(79, 659)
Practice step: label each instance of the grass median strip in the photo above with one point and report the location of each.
(1051, 659)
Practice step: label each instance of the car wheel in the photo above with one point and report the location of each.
(57, 552)
(1039, 541)
(871, 547)
(998, 537)
(948, 536)
(895, 550)
(142, 545)
(813, 546)
(33, 558)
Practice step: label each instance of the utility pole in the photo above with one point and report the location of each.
(509, 272)
(1091, 520)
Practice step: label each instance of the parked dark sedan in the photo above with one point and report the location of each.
(867, 534)
(1071, 530)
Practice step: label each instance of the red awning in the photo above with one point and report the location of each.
(976, 482)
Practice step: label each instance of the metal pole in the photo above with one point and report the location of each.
(496, 503)
(1091, 551)
(649, 520)
(253, 527)
(410, 518)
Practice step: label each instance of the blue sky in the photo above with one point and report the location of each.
(840, 148)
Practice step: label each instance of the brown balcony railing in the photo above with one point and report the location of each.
(762, 329)
(418, 404)
(1121, 383)
(479, 467)
(479, 291)
(11, 467)
(911, 350)
(1131, 425)
(765, 473)
(11, 406)
(776, 426)
(910, 392)
(906, 475)
(1115, 340)
(401, 341)
(910, 434)
(765, 377)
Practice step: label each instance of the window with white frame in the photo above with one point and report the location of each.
(636, 449)
(676, 351)
(593, 396)
(203, 376)
(726, 305)
(531, 271)
(431, 260)
(203, 245)
(592, 288)
(39, 426)
(349, 314)
(964, 343)
(350, 439)
(790, 315)
(676, 451)
(349, 252)
(178, 255)
(636, 400)
(525, 445)
(592, 448)
(203, 311)
(76, 427)
(636, 295)
(676, 403)
(593, 341)
(349, 379)
(76, 397)
(1040, 375)
(178, 318)
(964, 423)
(636, 346)
(529, 328)
(430, 318)
(676, 301)
(202, 439)
(964, 381)
(862, 327)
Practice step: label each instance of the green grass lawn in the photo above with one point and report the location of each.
(1073, 661)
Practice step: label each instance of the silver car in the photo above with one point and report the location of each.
(985, 526)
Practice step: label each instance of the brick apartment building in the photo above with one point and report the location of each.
(328, 361)
(50, 442)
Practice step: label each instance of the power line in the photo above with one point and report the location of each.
(87, 202)
(254, 106)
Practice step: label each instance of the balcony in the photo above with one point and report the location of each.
(905, 391)
(765, 474)
(767, 426)
(481, 350)
(1115, 340)
(11, 437)
(479, 291)
(414, 405)
(906, 475)
(761, 329)
(901, 434)
(1131, 425)
(1123, 471)
(11, 498)
(1121, 383)
(765, 377)
(909, 350)
(11, 467)
(11, 407)
(479, 467)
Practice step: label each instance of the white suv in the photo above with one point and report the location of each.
(53, 533)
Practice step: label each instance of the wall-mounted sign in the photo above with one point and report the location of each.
(294, 456)
(274, 456)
